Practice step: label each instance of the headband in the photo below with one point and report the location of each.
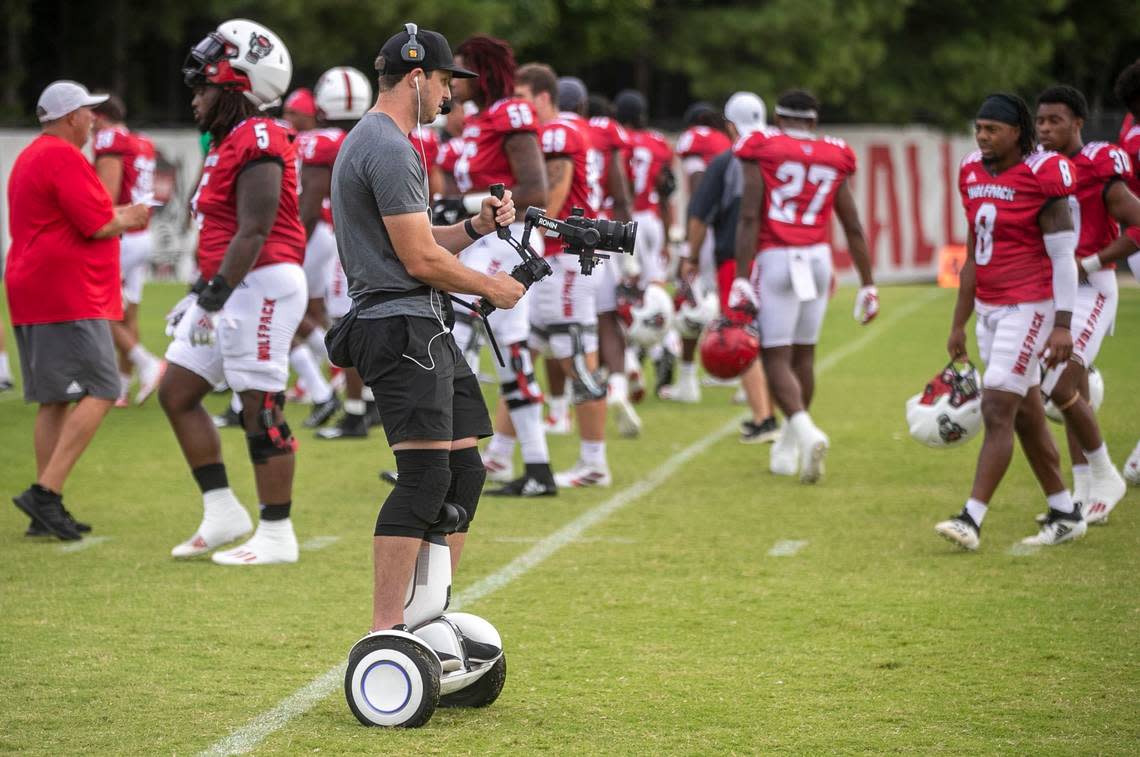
(1001, 108)
(810, 114)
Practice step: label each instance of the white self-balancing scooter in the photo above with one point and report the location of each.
(397, 678)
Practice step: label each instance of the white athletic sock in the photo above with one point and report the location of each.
(316, 342)
(1100, 464)
(593, 453)
(367, 395)
(1081, 479)
(619, 387)
(801, 425)
(124, 384)
(303, 362)
(688, 371)
(559, 406)
(976, 509)
(235, 402)
(5, 368)
(141, 357)
(531, 434)
(501, 446)
(354, 407)
(275, 530)
(631, 363)
(1062, 502)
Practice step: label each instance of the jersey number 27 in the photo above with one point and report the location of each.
(784, 203)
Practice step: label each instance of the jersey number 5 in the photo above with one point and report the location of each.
(261, 131)
(783, 206)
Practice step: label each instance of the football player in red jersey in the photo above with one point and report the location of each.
(1103, 203)
(793, 180)
(500, 146)
(648, 169)
(705, 137)
(1020, 279)
(124, 162)
(1127, 90)
(564, 313)
(300, 110)
(239, 321)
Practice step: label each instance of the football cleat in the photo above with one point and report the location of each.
(686, 390)
(628, 422)
(582, 476)
(538, 481)
(214, 532)
(229, 418)
(752, 432)
(348, 426)
(48, 512)
(812, 454)
(322, 411)
(500, 470)
(1132, 467)
(273, 543)
(559, 426)
(784, 458)
(149, 381)
(961, 530)
(6, 385)
(1105, 492)
(35, 528)
(1058, 528)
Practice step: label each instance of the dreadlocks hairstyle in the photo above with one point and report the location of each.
(1063, 94)
(1127, 87)
(231, 108)
(494, 61)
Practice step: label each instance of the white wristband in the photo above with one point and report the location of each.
(1092, 264)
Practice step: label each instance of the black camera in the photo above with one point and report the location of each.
(584, 236)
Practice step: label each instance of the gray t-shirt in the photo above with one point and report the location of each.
(378, 173)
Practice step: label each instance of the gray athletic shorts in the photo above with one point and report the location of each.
(63, 362)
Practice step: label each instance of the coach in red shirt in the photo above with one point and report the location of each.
(63, 290)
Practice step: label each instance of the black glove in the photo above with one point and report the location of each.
(447, 211)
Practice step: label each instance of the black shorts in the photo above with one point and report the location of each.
(424, 388)
(64, 362)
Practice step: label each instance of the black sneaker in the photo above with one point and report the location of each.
(46, 508)
(348, 426)
(538, 481)
(322, 411)
(663, 371)
(759, 433)
(229, 419)
(35, 529)
(372, 415)
(6, 385)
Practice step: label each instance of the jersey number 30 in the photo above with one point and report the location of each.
(783, 204)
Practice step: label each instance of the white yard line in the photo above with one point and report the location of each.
(86, 542)
(314, 543)
(246, 738)
(786, 548)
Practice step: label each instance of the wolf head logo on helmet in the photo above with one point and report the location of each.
(245, 56)
(650, 317)
(728, 348)
(948, 412)
(259, 47)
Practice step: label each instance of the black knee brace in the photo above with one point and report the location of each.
(421, 488)
(274, 439)
(467, 477)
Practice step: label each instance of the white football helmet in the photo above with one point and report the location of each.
(343, 94)
(1096, 396)
(651, 317)
(696, 309)
(244, 55)
(948, 412)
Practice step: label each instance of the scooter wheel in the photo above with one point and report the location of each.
(391, 682)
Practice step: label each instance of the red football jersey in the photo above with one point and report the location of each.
(607, 137)
(319, 147)
(1009, 252)
(428, 147)
(215, 202)
(568, 137)
(1098, 164)
(138, 155)
(1130, 140)
(648, 154)
(449, 153)
(802, 175)
(702, 143)
(484, 160)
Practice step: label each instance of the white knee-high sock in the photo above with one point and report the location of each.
(303, 362)
(530, 433)
(316, 342)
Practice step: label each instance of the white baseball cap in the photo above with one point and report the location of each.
(62, 97)
(747, 112)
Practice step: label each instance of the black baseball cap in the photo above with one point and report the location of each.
(437, 55)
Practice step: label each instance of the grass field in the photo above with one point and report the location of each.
(700, 606)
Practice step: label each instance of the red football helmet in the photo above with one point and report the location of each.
(728, 348)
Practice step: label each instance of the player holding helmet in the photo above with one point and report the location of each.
(793, 180)
(239, 322)
(1102, 202)
(1021, 279)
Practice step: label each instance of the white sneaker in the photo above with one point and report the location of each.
(232, 523)
(274, 542)
(499, 469)
(688, 392)
(557, 426)
(811, 457)
(1132, 467)
(960, 530)
(628, 422)
(1104, 494)
(784, 459)
(583, 475)
(149, 380)
(1057, 530)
